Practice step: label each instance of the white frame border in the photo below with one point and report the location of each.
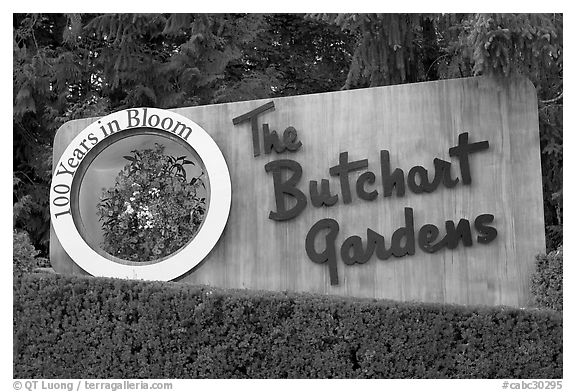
(186, 258)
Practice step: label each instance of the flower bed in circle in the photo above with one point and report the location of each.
(153, 209)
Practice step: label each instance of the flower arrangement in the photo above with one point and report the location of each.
(153, 209)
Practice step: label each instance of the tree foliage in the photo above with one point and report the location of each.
(23, 254)
(68, 66)
(388, 48)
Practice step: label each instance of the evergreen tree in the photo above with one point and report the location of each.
(68, 66)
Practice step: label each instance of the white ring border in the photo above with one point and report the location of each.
(189, 256)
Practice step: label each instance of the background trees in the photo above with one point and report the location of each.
(69, 66)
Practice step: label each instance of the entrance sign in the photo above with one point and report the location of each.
(66, 179)
(428, 192)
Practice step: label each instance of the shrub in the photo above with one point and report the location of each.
(23, 253)
(152, 210)
(547, 280)
(71, 327)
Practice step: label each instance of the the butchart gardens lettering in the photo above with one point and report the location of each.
(393, 182)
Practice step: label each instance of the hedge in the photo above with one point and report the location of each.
(73, 327)
(547, 284)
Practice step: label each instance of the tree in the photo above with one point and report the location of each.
(69, 66)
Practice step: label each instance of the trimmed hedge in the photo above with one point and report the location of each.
(547, 280)
(72, 327)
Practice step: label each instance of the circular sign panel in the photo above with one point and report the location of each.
(129, 127)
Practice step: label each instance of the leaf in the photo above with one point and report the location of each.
(187, 162)
(132, 159)
(24, 101)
